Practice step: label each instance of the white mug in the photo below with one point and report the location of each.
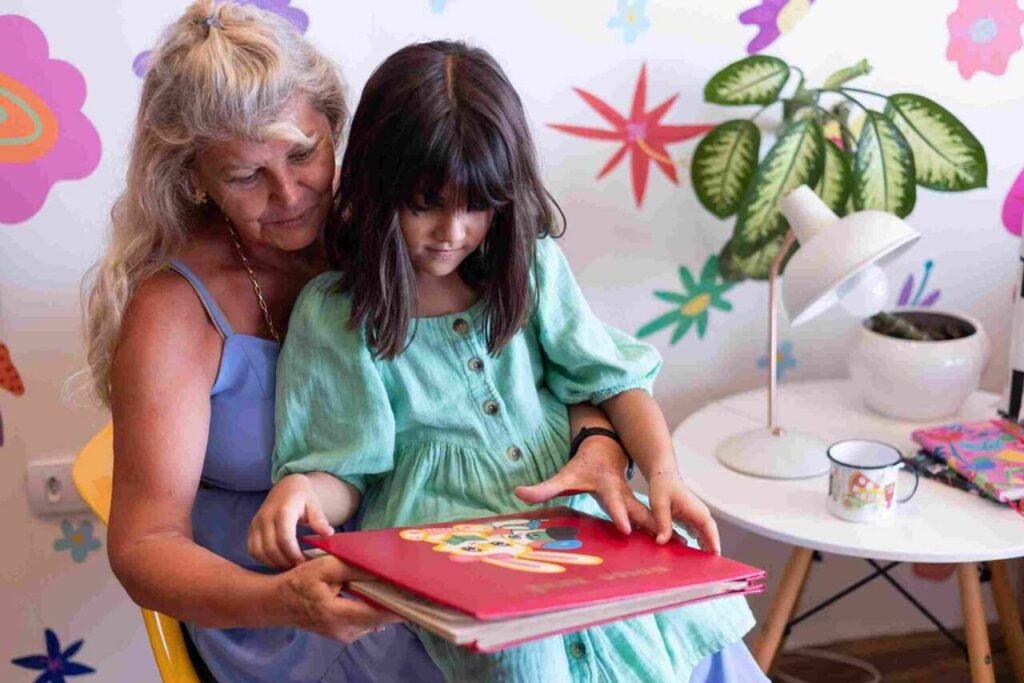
(862, 482)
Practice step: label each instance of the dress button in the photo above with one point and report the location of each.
(491, 407)
(577, 650)
(514, 453)
(460, 325)
(476, 365)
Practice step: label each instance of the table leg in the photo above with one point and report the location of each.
(978, 648)
(1009, 616)
(786, 597)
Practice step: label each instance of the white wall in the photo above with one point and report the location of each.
(621, 253)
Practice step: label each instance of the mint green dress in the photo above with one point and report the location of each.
(446, 432)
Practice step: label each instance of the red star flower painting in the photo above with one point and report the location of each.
(641, 134)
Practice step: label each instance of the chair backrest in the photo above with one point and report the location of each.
(93, 476)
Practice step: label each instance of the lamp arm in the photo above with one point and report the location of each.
(773, 328)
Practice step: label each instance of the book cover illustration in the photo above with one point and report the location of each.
(990, 454)
(525, 545)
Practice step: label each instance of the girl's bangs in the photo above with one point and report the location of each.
(473, 170)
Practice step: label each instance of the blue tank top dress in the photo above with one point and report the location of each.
(235, 480)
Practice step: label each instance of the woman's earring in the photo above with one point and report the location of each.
(199, 197)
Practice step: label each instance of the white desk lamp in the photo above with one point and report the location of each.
(833, 265)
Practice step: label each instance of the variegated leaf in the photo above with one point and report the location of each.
(796, 159)
(834, 185)
(947, 156)
(883, 168)
(754, 80)
(723, 165)
(757, 266)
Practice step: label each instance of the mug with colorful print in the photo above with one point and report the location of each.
(863, 480)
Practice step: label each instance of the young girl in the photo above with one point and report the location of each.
(427, 377)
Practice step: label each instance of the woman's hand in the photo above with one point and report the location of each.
(272, 539)
(672, 500)
(309, 594)
(598, 468)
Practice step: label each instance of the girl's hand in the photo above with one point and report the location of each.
(672, 500)
(598, 468)
(272, 538)
(309, 594)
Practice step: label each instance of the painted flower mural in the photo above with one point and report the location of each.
(79, 541)
(295, 16)
(1013, 206)
(44, 137)
(773, 18)
(909, 296)
(784, 359)
(56, 664)
(632, 19)
(983, 35)
(641, 134)
(693, 304)
(9, 380)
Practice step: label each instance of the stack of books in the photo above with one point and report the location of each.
(985, 458)
(490, 583)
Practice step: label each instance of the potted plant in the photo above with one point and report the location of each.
(918, 363)
(855, 156)
(858, 149)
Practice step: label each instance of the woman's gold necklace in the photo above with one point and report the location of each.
(255, 284)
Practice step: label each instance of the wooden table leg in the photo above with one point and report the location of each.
(978, 648)
(1009, 616)
(786, 596)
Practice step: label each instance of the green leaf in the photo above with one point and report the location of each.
(796, 159)
(883, 168)
(834, 185)
(754, 80)
(947, 156)
(757, 266)
(723, 165)
(846, 74)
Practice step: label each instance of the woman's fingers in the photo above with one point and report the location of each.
(547, 489)
(614, 503)
(641, 516)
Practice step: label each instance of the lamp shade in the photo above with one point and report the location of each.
(833, 250)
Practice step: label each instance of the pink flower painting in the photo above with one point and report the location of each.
(44, 136)
(983, 35)
(1013, 206)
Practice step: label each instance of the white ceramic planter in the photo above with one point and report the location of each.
(915, 380)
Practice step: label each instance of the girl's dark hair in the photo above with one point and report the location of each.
(434, 117)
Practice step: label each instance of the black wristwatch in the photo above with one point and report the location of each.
(601, 431)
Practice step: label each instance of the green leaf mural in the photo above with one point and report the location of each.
(723, 165)
(834, 184)
(796, 159)
(883, 168)
(753, 80)
(946, 155)
(692, 305)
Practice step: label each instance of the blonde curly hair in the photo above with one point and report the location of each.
(221, 71)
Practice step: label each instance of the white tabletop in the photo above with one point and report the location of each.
(940, 524)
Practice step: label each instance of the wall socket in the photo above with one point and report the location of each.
(50, 488)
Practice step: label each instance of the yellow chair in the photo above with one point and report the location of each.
(93, 476)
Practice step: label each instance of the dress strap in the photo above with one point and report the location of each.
(220, 321)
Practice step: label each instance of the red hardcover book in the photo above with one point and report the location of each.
(498, 581)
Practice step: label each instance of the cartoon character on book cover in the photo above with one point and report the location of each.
(526, 545)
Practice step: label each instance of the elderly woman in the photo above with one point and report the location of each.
(229, 184)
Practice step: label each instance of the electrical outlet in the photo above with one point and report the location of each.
(50, 488)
